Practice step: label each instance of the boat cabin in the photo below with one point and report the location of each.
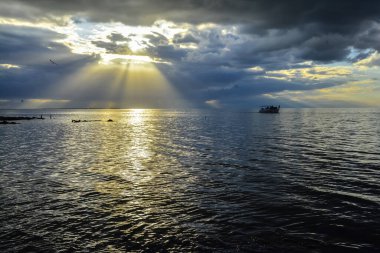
(270, 109)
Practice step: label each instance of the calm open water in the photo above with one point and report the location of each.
(305, 180)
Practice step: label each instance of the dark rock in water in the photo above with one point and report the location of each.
(110, 120)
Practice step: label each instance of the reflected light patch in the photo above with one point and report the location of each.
(137, 116)
(139, 147)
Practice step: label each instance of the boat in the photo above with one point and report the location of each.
(270, 109)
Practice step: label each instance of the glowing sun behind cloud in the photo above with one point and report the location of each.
(114, 40)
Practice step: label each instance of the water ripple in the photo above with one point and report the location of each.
(170, 181)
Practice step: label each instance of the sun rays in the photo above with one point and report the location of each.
(121, 83)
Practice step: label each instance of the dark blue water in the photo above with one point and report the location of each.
(305, 180)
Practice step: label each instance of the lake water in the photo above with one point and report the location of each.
(304, 180)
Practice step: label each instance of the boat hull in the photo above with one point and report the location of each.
(271, 109)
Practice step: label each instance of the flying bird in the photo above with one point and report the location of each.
(53, 62)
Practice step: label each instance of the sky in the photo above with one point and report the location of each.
(189, 54)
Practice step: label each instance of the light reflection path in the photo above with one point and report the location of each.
(140, 180)
(130, 143)
(139, 149)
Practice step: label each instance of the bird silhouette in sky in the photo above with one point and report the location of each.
(53, 62)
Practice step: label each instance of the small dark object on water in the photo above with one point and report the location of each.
(77, 121)
(4, 122)
(110, 120)
(270, 109)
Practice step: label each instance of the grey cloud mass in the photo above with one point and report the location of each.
(332, 16)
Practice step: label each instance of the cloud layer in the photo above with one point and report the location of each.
(235, 53)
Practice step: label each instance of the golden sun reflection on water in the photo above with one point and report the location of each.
(139, 146)
(126, 151)
(137, 116)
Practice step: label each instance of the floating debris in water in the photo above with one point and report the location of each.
(78, 121)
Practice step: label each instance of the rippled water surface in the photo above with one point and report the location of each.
(305, 180)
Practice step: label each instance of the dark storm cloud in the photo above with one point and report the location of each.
(369, 38)
(325, 48)
(338, 15)
(321, 29)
